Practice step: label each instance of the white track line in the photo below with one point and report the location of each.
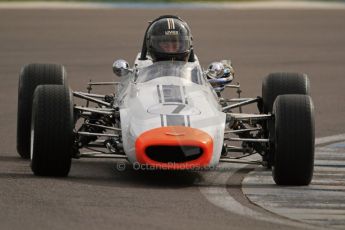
(329, 139)
(219, 196)
(320, 203)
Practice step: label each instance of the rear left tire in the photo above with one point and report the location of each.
(276, 84)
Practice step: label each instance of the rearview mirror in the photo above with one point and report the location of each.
(215, 70)
(219, 74)
(121, 68)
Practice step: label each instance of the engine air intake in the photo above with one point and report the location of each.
(173, 154)
(174, 147)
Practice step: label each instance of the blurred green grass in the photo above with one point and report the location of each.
(161, 1)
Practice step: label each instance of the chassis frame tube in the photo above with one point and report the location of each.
(104, 127)
(101, 155)
(101, 96)
(239, 104)
(104, 83)
(242, 130)
(248, 117)
(237, 161)
(97, 134)
(81, 95)
(95, 110)
(247, 139)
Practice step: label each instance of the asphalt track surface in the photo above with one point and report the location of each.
(98, 196)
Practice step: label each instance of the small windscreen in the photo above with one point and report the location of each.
(185, 70)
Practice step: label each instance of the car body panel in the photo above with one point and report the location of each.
(169, 101)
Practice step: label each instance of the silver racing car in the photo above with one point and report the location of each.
(168, 113)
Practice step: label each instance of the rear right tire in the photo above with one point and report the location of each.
(52, 131)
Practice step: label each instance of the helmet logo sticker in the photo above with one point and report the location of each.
(171, 32)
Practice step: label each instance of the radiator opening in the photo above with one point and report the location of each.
(173, 154)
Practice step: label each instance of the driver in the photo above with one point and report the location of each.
(169, 38)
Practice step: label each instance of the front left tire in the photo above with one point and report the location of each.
(52, 131)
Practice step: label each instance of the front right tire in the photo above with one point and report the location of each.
(52, 131)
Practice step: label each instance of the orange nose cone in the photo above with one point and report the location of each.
(174, 147)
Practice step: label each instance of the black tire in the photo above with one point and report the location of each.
(276, 84)
(31, 76)
(52, 131)
(294, 140)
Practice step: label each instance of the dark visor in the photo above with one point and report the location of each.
(170, 44)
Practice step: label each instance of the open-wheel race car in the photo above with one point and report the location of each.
(169, 115)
